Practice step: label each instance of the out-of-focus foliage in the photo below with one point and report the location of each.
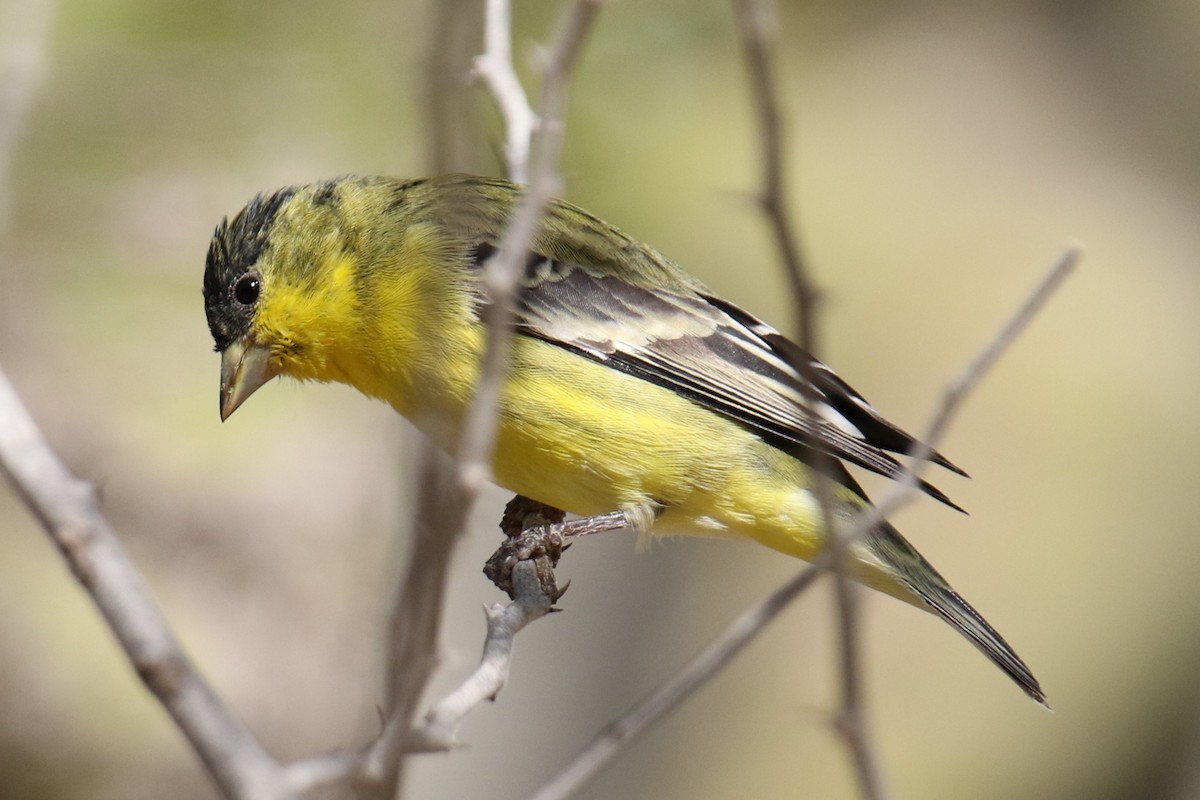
(941, 154)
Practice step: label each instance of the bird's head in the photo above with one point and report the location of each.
(280, 290)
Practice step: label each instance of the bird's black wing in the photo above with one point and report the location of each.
(647, 318)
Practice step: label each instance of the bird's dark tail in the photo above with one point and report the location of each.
(959, 613)
(924, 581)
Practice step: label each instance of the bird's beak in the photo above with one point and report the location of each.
(245, 366)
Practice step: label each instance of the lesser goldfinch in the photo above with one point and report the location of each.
(630, 385)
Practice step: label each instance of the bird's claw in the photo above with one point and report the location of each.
(532, 536)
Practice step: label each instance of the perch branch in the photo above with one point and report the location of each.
(383, 762)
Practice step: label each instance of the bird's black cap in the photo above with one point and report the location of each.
(236, 247)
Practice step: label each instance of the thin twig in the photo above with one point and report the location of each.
(417, 613)
(66, 507)
(445, 518)
(416, 621)
(757, 38)
(437, 519)
(756, 34)
(439, 731)
(851, 720)
(495, 68)
(620, 733)
(534, 592)
(533, 598)
(503, 270)
(624, 731)
(531, 603)
(958, 389)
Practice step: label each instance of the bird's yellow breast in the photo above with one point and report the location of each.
(588, 439)
(572, 432)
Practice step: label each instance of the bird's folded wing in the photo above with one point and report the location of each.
(658, 325)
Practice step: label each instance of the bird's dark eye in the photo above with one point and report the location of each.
(246, 290)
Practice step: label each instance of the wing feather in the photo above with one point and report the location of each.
(715, 354)
(589, 288)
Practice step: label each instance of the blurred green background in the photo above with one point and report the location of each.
(942, 154)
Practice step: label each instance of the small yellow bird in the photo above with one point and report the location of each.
(630, 386)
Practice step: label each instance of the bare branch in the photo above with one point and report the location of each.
(531, 603)
(620, 733)
(904, 487)
(495, 68)
(975, 371)
(331, 769)
(756, 35)
(416, 616)
(66, 508)
(524, 569)
(851, 722)
(438, 519)
(416, 620)
(503, 271)
(623, 731)
(443, 519)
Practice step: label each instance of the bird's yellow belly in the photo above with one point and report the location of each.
(628, 443)
(585, 438)
(588, 439)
